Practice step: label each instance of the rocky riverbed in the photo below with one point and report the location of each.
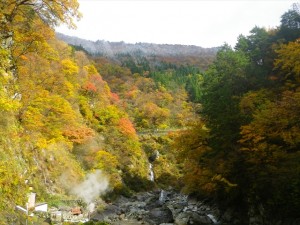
(158, 207)
(161, 207)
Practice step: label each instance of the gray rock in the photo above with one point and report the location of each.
(112, 209)
(176, 207)
(195, 218)
(111, 212)
(159, 216)
(160, 207)
(182, 218)
(192, 201)
(138, 214)
(121, 200)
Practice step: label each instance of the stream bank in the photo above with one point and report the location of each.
(158, 207)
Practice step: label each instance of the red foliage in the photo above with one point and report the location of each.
(90, 87)
(94, 84)
(114, 97)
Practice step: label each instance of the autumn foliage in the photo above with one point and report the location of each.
(248, 157)
(230, 134)
(126, 127)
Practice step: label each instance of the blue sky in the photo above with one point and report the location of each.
(197, 22)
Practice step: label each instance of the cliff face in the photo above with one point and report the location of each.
(111, 49)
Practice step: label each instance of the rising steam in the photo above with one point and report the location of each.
(92, 187)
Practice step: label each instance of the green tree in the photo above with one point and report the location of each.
(224, 83)
(290, 26)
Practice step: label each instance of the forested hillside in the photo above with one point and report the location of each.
(245, 149)
(222, 126)
(113, 49)
(61, 120)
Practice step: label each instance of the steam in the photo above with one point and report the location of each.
(91, 207)
(92, 187)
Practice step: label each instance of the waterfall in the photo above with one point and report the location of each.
(213, 219)
(162, 196)
(151, 173)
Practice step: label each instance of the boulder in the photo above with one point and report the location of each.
(197, 219)
(159, 216)
(182, 218)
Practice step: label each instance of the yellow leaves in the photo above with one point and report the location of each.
(253, 100)
(87, 112)
(220, 178)
(274, 126)
(32, 37)
(91, 69)
(106, 161)
(69, 67)
(41, 143)
(37, 74)
(192, 149)
(50, 12)
(11, 182)
(109, 115)
(4, 60)
(155, 114)
(198, 180)
(48, 114)
(70, 89)
(288, 62)
(132, 94)
(191, 143)
(251, 138)
(8, 103)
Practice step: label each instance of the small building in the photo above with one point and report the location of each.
(56, 217)
(41, 207)
(31, 200)
(76, 211)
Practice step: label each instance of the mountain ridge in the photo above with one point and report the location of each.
(111, 49)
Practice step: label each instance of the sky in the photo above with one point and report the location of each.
(197, 22)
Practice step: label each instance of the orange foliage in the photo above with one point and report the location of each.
(90, 87)
(78, 135)
(126, 127)
(132, 93)
(94, 84)
(114, 97)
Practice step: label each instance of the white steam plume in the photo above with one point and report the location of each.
(92, 187)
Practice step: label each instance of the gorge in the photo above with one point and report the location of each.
(146, 133)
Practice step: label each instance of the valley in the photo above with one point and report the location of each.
(115, 133)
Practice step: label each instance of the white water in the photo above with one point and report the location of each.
(212, 218)
(151, 173)
(162, 196)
